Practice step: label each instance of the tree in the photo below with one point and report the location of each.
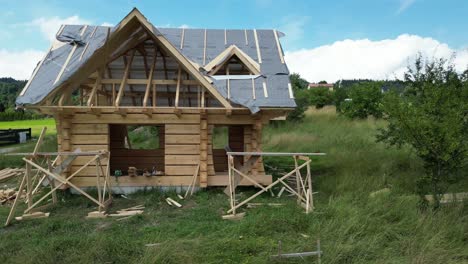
(297, 82)
(299, 86)
(365, 99)
(320, 97)
(431, 117)
(323, 82)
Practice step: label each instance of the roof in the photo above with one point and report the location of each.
(76, 44)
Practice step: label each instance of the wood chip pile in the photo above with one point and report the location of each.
(10, 172)
(7, 196)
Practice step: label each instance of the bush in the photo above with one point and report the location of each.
(365, 99)
(11, 115)
(431, 117)
(299, 86)
(302, 102)
(320, 97)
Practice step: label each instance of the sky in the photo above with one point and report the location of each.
(325, 40)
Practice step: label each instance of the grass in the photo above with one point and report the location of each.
(352, 226)
(35, 125)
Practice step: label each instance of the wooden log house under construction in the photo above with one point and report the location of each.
(96, 81)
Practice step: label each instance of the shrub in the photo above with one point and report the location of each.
(320, 97)
(299, 86)
(11, 115)
(365, 99)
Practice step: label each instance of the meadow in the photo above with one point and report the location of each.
(353, 222)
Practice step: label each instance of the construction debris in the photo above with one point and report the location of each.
(238, 216)
(7, 196)
(171, 201)
(32, 216)
(138, 207)
(126, 213)
(11, 172)
(153, 245)
(97, 214)
(317, 253)
(255, 205)
(132, 171)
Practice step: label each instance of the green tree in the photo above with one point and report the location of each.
(297, 82)
(365, 99)
(431, 117)
(320, 97)
(299, 86)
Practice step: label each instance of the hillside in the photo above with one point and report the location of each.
(353, 226)
(9, 90)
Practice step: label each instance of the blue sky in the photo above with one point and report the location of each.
(324, 29)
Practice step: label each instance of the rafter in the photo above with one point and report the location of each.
(97, 84)
(150, 78)
(124, 80)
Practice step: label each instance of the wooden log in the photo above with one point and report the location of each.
(238, 216)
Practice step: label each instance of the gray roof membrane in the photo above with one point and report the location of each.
(85, 40)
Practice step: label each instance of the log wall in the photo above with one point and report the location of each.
(187, 142)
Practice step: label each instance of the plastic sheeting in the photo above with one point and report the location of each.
(82, 41)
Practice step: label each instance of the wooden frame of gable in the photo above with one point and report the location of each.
(226, 55)
(113, 44)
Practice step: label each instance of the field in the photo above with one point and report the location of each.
(35, 125)
(352, 225)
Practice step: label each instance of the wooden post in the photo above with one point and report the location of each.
(203, 151)
(298, 184)
(231, 185)
(51, 181)
(28, 184)
(15, 203)
(98, 182)
(309, 181)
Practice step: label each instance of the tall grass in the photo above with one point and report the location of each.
(353, 226)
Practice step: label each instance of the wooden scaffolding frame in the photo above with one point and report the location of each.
(52, 173)
(303, 190)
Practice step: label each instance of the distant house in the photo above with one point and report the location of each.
(320, 85)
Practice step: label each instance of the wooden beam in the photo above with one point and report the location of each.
(178, 88)
(150, 78)
(145, 81)
(97, 84)
(124, 80)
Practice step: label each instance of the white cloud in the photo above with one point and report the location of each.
(405, 4)
(50, 26)
(107, 24)
(19, 64)
(363, 58)
(184, 26)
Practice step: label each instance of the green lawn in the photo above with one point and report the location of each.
(352, 226)
(35, 125)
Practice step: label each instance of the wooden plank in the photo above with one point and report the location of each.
(124, 80)
(95, 147)
(259, 55)
(135, 119)
(90, 139)
(182, 139)
(93, 129)
(39, 141)
(182, 149)
(166, 180)
(182, 129)
(150, 78)
(181, 159)
(275, 154)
